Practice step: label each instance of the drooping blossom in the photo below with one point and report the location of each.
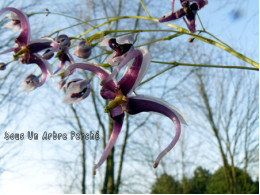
(77, 90)
(121, 45)
(121, 100)
(31, 82)
(124, 53)
(27, 50)
(63, 53)
(188, 10)
(82, 50)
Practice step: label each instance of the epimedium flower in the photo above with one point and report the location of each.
(82, 50)
(188, 10)
(27, 50)
(121, 100)
(23, 42)
(125, 53)
(121, 45)
(77, 90)
(63, 53)
(31, 82)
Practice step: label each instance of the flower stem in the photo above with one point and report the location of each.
(145, 8)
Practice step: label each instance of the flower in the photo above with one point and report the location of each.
(30, 83)
(63, 54)
(125, 53)
(82, 50)
(121, 46)
(77, 90)
(27, 50)
(188, 10)
(121, 100)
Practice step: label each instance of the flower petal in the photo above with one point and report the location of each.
(118, 122)
(37, 45)
(147, 57)
(99, 71)
(128, 81)
(137, 56)
(125, 39)
(43, 64)
(172, 15)
(137, 104)
(105, 41)
(77, 90)
(7, 51)
(24, 36)
(191, 24)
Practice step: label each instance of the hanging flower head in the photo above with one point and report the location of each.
(121, 100)
(189, 10)
(121, 46)
(63, 54)
(27, 50)
(77, 90)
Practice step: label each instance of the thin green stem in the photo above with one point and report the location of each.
(216, 38)
(175, 64)
(201, 23)
(145, 8)
(157, 75)
(55, 13)
(205, 65)
(227, 49)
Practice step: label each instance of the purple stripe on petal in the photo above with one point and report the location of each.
(35, 46)
(126, 84)
(137, 104)
(172, 16)
(99, 71)
(118, 122)
(24, 36)
(7, 51)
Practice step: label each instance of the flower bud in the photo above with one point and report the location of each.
(64, 42)
(30, 83)
(2, 66)
(82, 50)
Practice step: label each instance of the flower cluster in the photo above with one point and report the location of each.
(119, 93)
